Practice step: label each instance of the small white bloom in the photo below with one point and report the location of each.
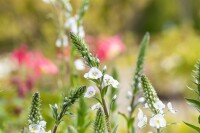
(108, 80)
(115, 83)
(90, 92)
(94, 73)
(114, 97)
(42, 124)
(34, 128)
(129, 108)
(142, 119)
(141, 99)
(130, 94)
(159, 105)
(79, 64)
(95, 106)
(157, 121)
(62, 42)
(170, 108)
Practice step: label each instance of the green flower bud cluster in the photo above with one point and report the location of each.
(80, 45)
(149, 93)
(99, 124)
(67, 103)
(35, 115)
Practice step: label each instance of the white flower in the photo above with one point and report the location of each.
(142, 119)
(157, 121)
(62, 42)
(115, 83)
(90, 92)
(141, 99)
(79, 64)
(170, 108)
(34, 128)
(95, 106)
(130, 94)
(108, 80)
(94, 73)
(42, 124)
(129, 108)
(159, 105)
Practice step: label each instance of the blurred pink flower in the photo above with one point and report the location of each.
(34, 61)
(110, 47)
(23, 86)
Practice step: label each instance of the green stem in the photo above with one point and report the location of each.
(55, 129)
(105, 111)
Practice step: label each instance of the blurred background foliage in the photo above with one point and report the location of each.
(175, 47)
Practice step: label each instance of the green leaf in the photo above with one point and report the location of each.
(193, 126)
(98, 100)
(54, 111)
(194, 103)
(130, 122)
(123, 115)
(104, 91)
(194, 90)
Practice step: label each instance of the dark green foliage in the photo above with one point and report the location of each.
(35, 115)
(99, 124)
(81, 47)
(195, 102)
(67, 103)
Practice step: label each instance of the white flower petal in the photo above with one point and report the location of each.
(170, 108)
(42, 123)
(90, 92)
(94, 73)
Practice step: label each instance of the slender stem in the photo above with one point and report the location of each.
(105, 111)
(55, 129)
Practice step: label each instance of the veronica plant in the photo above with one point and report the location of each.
(155, 105)
(35, 120)
(63, 109)
(136, 86)
(195, 102)
(102, 80)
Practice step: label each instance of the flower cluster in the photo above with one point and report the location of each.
(156, 106)
(38, 128)
(36, 124)
(95, 74)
